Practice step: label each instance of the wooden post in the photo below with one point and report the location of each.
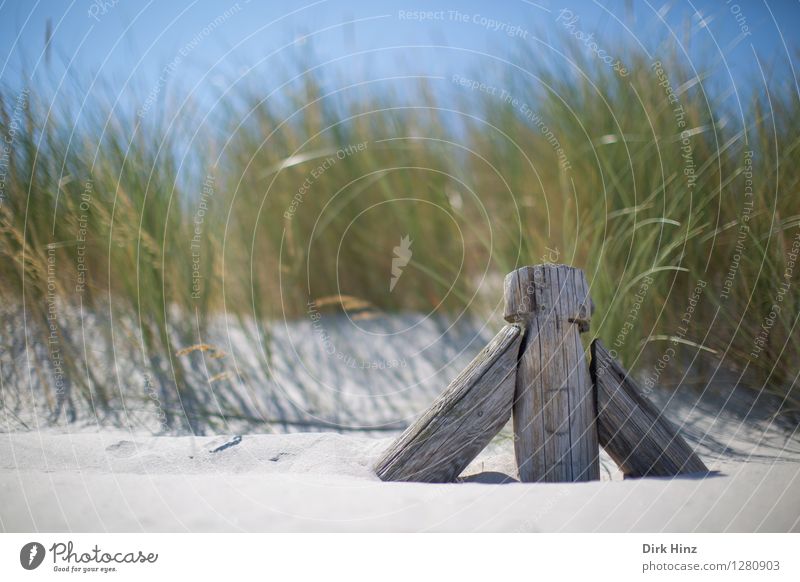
(462, 421)
(631, 430)
(554, 407)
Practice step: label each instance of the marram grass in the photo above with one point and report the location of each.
(684, 213)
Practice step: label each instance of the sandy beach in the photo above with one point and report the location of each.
(126, 473)
(52, 480)
(287, 270)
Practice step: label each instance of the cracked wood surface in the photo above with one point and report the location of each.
(631, 429)
(462, 421)
(554, 408)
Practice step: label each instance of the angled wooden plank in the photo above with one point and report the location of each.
(462, 421)
(631, 429)
(554, 410)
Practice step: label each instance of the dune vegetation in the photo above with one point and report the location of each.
(678, 197)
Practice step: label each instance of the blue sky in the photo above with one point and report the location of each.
(133, 43)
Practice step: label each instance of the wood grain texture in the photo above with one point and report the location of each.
(631, 429)
(462, 421)
(554, 408)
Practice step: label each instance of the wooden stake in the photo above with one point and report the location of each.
(462, 421)
(631, 430)
(554, 408)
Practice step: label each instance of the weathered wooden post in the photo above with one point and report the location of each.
(537, 368)
(554, 404)
(631, 430)
(462, 421)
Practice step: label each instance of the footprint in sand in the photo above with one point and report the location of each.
(122, 449)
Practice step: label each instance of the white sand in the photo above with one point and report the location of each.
(117, 481)
(76, 478)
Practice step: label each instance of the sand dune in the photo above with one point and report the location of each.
(120, 481)
(89, 475)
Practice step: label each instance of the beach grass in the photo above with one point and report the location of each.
(678, 199)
